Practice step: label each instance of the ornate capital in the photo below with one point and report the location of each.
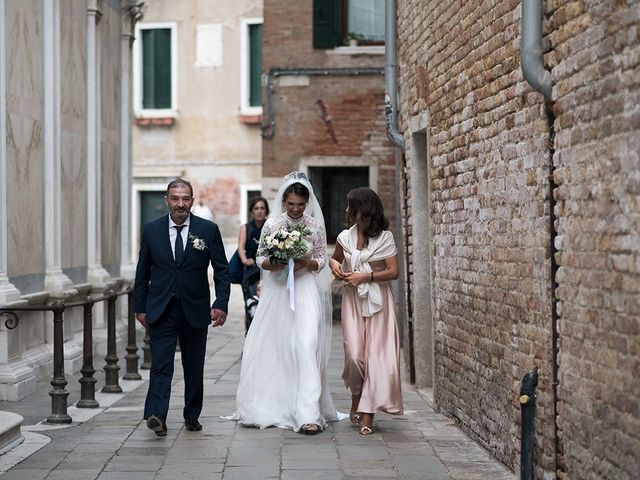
(94, 8)
(132, 13)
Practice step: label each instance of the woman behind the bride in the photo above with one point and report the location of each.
(283, 376)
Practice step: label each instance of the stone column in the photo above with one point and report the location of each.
(8, 292)
(56, 282)
(96, 274)
(17, 380)
(132, 11)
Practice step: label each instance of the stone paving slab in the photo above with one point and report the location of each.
(113, 443)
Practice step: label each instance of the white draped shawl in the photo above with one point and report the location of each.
(379, 248)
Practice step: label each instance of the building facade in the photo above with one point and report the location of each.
(198, 105)
(324, 101)
(524, 226)
(64, 172)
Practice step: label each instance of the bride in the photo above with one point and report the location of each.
(283, 375)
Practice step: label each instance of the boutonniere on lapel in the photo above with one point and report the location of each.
(197, 243)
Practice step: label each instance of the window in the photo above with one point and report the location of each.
(251, 67)
(155, 70)
(335, 22)
(365, 21)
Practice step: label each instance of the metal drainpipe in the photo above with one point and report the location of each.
(539, 78)
(396, 138)
(391, 75)
(531, 49)
(527, 415)
(268, 127)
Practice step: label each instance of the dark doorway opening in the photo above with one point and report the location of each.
(331, 185)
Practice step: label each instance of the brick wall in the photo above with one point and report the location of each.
(491, 239)
(355, 104)
(596, 56)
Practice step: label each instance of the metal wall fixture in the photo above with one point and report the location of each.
(268, 127)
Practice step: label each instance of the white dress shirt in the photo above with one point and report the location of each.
(173, 234)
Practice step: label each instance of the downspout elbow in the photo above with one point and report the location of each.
(531, 60)
(391, 120)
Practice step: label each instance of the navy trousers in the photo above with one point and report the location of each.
(163, 333)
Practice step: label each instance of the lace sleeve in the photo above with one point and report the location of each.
(266, 230)
(319, 245)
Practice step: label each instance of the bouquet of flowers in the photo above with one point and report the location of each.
(284, 244)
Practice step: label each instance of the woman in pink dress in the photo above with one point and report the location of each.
(365, 258)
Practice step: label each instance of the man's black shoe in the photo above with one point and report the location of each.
(158, 425)
(192, 424)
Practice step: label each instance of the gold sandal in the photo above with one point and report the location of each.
(311, 428)
(355, 418)
(364, 430)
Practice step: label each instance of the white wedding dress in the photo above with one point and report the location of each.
(283, 379)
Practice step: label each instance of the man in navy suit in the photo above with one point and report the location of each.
(172, 299)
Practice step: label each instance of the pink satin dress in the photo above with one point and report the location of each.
(372, 349)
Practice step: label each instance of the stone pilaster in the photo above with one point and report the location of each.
(8, 292)
(56, 282)
(96, 273)
(132, 12)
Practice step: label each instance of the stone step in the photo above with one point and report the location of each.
(10, 435)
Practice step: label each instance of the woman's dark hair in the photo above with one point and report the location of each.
(365, 209)
(255, 200)
(297, 189)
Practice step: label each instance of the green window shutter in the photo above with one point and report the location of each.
(156, 68)
(255, 65)
(327, 23)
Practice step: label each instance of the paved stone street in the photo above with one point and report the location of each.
(113, 443)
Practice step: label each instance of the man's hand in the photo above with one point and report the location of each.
(142, 318)
(218, 317)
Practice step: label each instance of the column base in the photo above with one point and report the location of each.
(100, 345)
(17, 381)
(98, 276)
(8, 292)
(59, 285)
(72, 356)
(128, 271)
(40, 360)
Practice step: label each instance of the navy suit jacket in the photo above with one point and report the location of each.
(158, 276)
